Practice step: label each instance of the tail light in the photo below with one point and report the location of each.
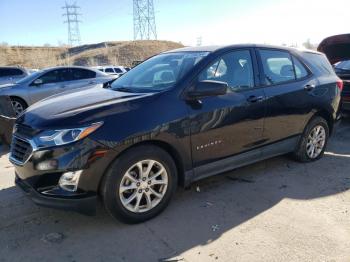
(340, 85)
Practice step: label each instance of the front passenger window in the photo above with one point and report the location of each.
(53, 76)
(234, 68)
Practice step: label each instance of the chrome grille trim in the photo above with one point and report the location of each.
(21, 151)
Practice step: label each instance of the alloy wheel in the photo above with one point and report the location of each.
(17, 107)
(143, 186)
(316, 141)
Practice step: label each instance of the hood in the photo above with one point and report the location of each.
(336, 48)
(79, 108)
(7, 86)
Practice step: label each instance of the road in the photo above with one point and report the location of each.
(275, 210)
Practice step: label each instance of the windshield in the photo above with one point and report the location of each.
(158, 73)
(30, 77)
(343, 65)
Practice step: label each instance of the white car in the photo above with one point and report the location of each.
(11, 74)
(112, 70)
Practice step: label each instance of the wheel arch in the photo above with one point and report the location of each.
(327, 116)
(19, 98)
(175, 155)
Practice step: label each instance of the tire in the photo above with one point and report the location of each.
(302, 154)
(18, 105)
(124, 173)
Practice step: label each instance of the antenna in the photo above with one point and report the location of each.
(71, 14)
(144, 20)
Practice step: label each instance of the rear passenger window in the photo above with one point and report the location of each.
(300, 69)
(118, 70)
(79, 74)
(277, 66)
(109, 70)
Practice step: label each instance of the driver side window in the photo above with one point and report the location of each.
(53, 76)
(234, 68)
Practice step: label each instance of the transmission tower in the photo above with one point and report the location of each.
(72, 15)
(144, 20)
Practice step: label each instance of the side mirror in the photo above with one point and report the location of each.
(38, 82)
(208, 88)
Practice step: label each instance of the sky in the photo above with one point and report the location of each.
(290, 22)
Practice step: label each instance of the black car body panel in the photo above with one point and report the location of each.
(204, 136)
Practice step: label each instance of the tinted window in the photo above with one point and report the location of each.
(55, 76)
(10, 72)
(78, 74)
(235, 68)
(319, 63)
(277, 66)
(300, 69)
(118, 70)
(109, 70)
(51, 77)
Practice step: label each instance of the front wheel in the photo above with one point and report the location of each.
(18, 105)
(313, 141)
(139, 185)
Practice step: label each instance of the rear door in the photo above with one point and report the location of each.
(226, 125)
(80, 77)
(289, 87)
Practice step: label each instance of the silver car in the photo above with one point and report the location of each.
(10, 74)
(51, 81)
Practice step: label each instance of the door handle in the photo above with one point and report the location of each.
(255, 99)
(62, 86)
(92, 82)
(309, 87)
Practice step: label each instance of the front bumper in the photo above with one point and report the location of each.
(91, 157)
(85, 205)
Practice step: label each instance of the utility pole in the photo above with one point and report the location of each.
(199, 41)
(71, 14)
(144, 20)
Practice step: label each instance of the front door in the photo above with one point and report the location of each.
(50, 85)
(229, 124)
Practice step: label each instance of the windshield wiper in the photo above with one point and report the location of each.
(124, 89)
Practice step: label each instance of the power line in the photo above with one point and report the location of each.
(71, 14)
(144, 20)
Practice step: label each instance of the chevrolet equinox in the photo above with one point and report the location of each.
(178, 117)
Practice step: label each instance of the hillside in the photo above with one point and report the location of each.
(117, 53)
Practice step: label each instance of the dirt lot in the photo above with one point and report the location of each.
(276, 210)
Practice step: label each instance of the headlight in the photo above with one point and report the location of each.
(65, 136)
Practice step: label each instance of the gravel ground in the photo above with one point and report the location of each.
(275, 210)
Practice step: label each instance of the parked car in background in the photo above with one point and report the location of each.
(112, 70)
(173, 120)
(337, 50)
(10, 74)
(51, 81)
(342, 69)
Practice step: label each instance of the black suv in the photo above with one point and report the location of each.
(178, 117)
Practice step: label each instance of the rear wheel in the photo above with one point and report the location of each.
(139, 185)
(313, 141)
(18, 105)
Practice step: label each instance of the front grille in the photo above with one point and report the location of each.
(25, 131)
(21, 150)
